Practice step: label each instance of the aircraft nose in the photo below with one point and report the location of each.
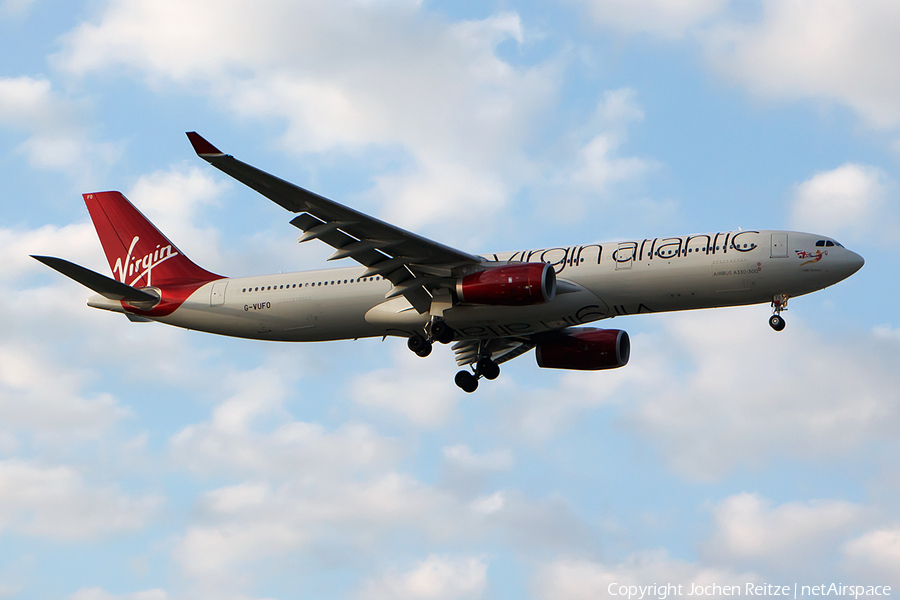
(854, 262)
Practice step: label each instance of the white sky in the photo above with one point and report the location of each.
(141, 462)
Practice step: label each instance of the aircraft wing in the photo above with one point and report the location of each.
(412, 263)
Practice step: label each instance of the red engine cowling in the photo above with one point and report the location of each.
(585, 350)
(511, 285)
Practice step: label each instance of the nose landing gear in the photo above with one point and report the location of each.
(779, 303)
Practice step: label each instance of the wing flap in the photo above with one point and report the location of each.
(500, 350)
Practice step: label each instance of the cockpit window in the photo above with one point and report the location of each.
(828, 244)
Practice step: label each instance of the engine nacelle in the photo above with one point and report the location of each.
(585, 350)
(510, 285)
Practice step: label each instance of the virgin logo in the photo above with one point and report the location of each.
(138, 266)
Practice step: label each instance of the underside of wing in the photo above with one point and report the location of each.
(415, 265)
(499, 350)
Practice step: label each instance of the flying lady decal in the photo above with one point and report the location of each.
(813, 256)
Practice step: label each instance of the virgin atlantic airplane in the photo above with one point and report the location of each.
(495, 306)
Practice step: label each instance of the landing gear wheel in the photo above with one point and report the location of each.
(488, 368)
(419, 345)
(776, 322)
(441, 332)
(466, 381)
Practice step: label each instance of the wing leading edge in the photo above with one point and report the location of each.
(416, 266)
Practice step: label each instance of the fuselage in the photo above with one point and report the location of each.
(595, 281)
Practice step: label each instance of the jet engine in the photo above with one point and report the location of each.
(585, 350)
(510, 285)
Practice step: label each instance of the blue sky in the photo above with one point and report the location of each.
(143, 462)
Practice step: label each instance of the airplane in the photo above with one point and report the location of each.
(495, 307)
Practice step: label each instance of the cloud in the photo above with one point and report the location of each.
(711, 405)
(250, 433)
(246, 524)
(807, 396)
(435, 578)
(591, 172)
(97, 593)
(836, 50)
(56, 503)
(597, 166)
(172, 200)
(15, 7)
(57, 139)
(875, 554)
(398, 389)
(749, 530)
(851, 201)
(29, 100)
(40, 396)
(77, 242)
(751, 540)
(461, 456)
(582, 579)
(348, 77)
(670, 19)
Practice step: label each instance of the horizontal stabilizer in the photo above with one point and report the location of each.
(103, 285)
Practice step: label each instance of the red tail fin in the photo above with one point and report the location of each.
(138, 253)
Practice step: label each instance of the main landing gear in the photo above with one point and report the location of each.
(438, 331)
(779, 303)
(418, 344)
(485, 367)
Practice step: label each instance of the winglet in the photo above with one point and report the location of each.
(201, 146)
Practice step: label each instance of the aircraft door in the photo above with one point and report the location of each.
(217, 294)
(779, 245)
(624, 255)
